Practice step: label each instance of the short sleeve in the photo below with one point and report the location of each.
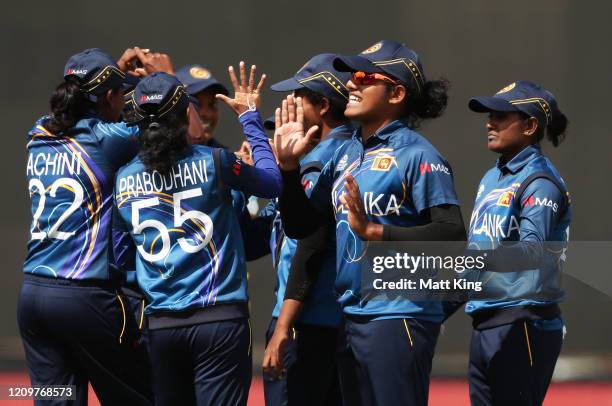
(541, 205)
(430, 179)
(118, 141)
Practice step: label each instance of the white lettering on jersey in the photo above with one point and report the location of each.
(180, 176)
(56, 164)
(494, 225)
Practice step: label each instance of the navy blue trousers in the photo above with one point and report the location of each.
(513, 364)
(386, 362)
(311, 377)
(73, 335)
(202, 364)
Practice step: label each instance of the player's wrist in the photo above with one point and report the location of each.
(288, 165)
(372, 232)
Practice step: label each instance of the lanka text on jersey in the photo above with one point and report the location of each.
(400, 174)
(542, 215)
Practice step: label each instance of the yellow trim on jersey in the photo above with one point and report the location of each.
(124, 319)
(408, 332)
(528, 344)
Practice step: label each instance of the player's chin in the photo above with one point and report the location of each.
(494, 145)
(353, 111)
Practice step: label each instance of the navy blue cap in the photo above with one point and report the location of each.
(96, 72)
(158, 94)
(270, 123)
(197, 78)
(521, 96)
(390, 58)
(320, 76)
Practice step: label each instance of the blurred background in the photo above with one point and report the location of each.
(479, 45)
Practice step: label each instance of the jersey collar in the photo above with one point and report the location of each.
(383, 133)
(520, 160)
(342, 132)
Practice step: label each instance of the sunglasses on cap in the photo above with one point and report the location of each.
(367, 79)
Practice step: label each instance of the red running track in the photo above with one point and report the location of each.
(442, 393)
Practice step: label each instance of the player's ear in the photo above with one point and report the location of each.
(530, 127)
(398, 94)
(325, 106)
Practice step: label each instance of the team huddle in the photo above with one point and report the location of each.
(142, 224)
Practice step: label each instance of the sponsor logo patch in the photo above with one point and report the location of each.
(153, 97)
(76, 72)
(428, 168)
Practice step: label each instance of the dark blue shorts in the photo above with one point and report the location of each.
(202, 364)
(513, 364)
(386, 362)
(311, 376)
(75, 334)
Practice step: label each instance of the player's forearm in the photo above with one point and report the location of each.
(290, 310)
(307, 263)
(299, 217)
(446, 225)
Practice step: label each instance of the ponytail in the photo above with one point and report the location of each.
(429, 103)
(556, 130)
(68, 105)
(163, 142)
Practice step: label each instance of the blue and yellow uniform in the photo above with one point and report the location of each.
(190, 262)
(309, 359)
(400, 177)
(518, 328)
(321, 308)
(71, 316)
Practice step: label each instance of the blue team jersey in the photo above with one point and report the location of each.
(321, 307)
(400, 174)
(71, 178)
(186, 232)
(542, 215)
(185, 227)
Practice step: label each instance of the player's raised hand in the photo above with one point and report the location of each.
(290, 139)
(246, 95)
(357, 216)
(153, 62)
(129, 61)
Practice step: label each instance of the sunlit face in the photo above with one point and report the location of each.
(367, 102)
(208, 111)
(506, 132)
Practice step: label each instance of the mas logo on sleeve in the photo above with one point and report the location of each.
(429, 168)
(307, 184)
(541, 201)
(236, 167)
